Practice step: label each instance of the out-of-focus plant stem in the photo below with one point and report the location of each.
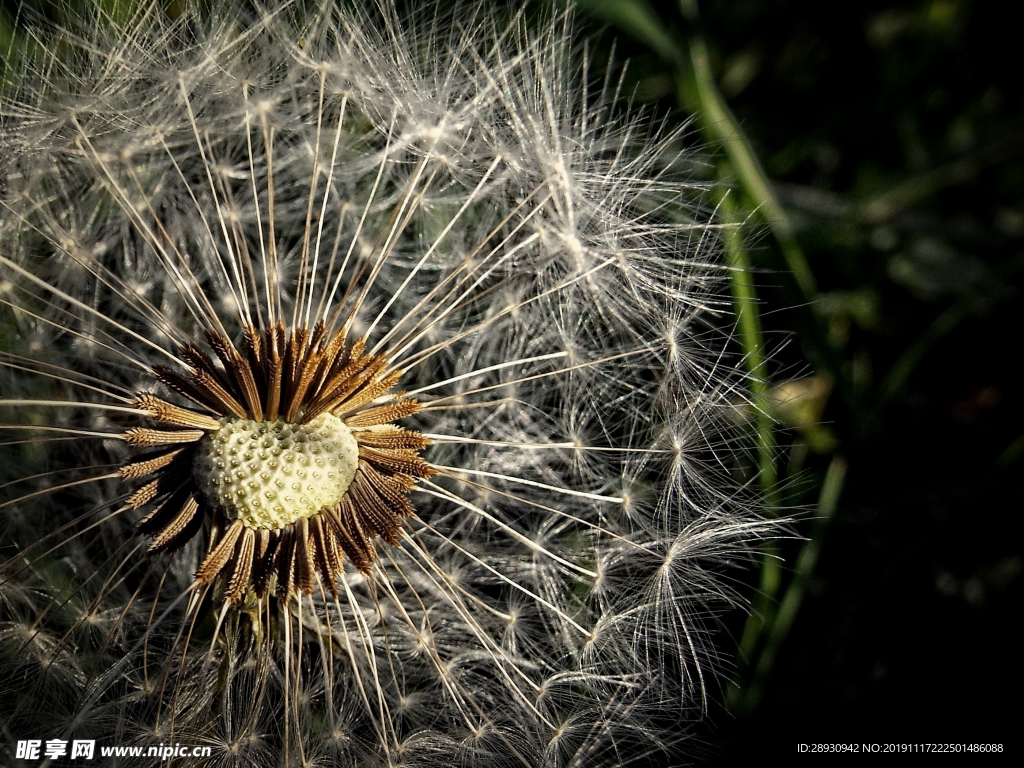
(751, 340)
(699, 94)
(746, 699)
(697, 86)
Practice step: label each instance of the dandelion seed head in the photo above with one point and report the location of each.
(363, 401)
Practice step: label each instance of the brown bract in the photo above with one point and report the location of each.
(296, 376)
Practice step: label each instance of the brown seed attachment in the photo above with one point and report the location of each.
(277, 375)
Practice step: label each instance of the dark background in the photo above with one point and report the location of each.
(893, 136)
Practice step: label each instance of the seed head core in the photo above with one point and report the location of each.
(289, 465)
(269, 474)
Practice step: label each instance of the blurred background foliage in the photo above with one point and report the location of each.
(874, 157)
(871, 155)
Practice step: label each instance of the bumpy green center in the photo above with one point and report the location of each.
(269, 474)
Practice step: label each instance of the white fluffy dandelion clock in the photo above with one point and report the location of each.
(358, 401)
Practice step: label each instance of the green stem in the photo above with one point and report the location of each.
(751, 336)
(698, 94)
(751, 340)
(724, 129)
(806, 562)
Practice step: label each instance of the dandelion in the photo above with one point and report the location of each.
(362, 396)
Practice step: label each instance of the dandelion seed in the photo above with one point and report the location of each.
(355, 406)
